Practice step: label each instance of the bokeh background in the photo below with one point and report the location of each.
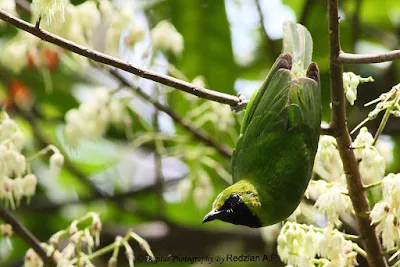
(164, 196)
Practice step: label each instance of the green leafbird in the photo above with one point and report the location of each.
(274, 155)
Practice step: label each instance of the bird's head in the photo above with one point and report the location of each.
(237, 204)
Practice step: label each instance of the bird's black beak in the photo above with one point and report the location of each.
(213, 215)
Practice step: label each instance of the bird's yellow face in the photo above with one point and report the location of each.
(237, 204)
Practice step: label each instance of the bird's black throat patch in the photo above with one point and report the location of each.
(236, 212)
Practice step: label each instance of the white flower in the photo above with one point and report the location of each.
(88, 16)
(119, 21)
(51, 11)
(18, 140)
(363, 139)
(372, 166)
(336, 245)
(328, 163)
(316, 188)
(91, 119)
(32, 259)
(136, 34)
(379, 211)
(165, 37)
(390, 233)
(350, 83)
(389, 187)
(310, 243)
(56, 162)
(18, 189)
(19, 165)
(334, 202)
(30, 182)
(8, 128)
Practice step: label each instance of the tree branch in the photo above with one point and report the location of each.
(223, 98)
(25, 235)
(346, 58)
(198, 133)
(338, 121)
(231, 100)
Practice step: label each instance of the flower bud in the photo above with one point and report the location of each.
(166, 38)
(32, 259)
(18, 140)
(6, 230)
(18, 189)
(56, 162)
(30, 182)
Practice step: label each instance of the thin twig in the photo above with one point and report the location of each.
(25, 235)
(234, 101)
(198, 133)
(350, 164)
(231, 100)
(347, 58)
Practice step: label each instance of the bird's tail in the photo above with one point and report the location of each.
(297, 40)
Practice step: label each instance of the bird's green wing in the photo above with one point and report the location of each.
(284, 106)
(277, 76)
(304, 110)
(263, 113)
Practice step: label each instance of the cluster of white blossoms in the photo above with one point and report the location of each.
(332, 200)
(328, 164)
(15, 181)
(76, 23)
(372, 165)
(331, 192)
(306, 246)
(385, 214)
(350, 83)
(50, 11)
(82, 234)
(219, 115)
(166, 38)
(92, 118)
(76, 244)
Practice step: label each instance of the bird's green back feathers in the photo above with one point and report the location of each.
(274, 154)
